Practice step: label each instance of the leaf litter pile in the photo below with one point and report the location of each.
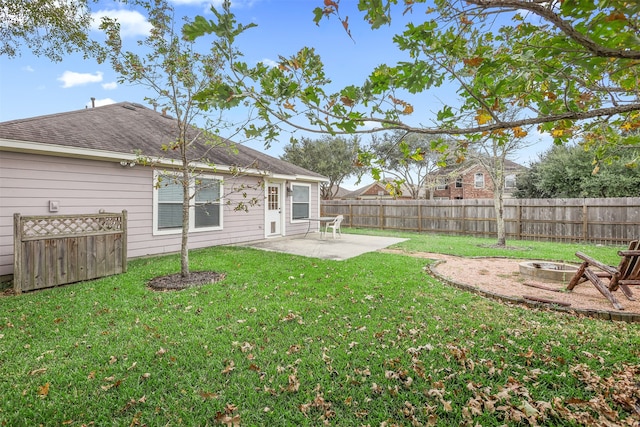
(176, 282)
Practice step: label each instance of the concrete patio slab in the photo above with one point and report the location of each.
(345, 247)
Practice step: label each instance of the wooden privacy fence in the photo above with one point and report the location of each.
(605, 221)
(58, 249)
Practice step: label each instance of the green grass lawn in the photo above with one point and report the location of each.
(287, 340)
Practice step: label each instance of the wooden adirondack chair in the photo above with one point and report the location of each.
(626, 274)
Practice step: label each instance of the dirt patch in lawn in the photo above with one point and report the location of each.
(175, 282)
(501, 276)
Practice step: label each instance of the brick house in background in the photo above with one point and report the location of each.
(375, 191)
(472, 181)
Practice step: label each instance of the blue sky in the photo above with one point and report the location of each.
(32, 86)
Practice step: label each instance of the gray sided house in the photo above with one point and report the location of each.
(86, 162)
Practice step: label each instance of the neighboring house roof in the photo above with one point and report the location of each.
(376, 189)
(341, 193)
(129, 128)
(465, 167)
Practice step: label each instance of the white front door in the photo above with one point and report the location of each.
(273, 217)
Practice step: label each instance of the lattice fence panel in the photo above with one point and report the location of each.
(70, 225)
(59, 249)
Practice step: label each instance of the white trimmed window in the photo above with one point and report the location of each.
(442, 184)
(205, 212)
(300, 201)
(478, 180)
(510, 181)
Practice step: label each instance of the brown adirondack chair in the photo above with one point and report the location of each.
(626, 274)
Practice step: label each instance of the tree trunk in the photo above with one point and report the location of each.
(498, 204)
(184, 246)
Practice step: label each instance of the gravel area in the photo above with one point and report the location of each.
(502, 276)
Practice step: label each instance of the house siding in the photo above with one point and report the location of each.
(468, 189)
(29, 181)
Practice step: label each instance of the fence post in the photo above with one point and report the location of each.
(519, 220)
(125, 237)
(585, 220)
(17, 254)
(464, 218)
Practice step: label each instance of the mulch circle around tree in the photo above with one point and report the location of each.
(175, 282)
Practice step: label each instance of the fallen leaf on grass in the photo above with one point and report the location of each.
(131, 403)
(110, 386)
(43, 390)
(38, 371)
(528, 409)
(289, 317)
(209, 395)
(294, 384)
(293, 349)
(228, 417)
(246, 346)
(229, 368)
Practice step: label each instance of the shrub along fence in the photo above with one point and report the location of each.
(58, 249)
(605, 221)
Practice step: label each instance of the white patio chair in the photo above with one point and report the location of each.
(334, 226)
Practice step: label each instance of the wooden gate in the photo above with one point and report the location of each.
(58, 249)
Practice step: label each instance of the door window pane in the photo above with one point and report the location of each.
(273, 203)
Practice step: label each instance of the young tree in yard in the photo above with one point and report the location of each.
(567, 171)
(492, 151)
(492, 155)
(175, 72)
(333, 157)
(408, 158)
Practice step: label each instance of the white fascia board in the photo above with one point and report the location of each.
(297, 177)
(62, 151)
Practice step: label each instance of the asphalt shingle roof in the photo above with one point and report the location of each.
(127, 127)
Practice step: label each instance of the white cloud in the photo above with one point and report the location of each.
(100, 102)
(216, 3)
(132, 23)
(109, 86)
(371, 125)
(269, 62)
(28, 68)
(71, 79)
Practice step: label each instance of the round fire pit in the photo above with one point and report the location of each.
(547, 271)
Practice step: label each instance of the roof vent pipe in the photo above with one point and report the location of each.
(93, 102)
